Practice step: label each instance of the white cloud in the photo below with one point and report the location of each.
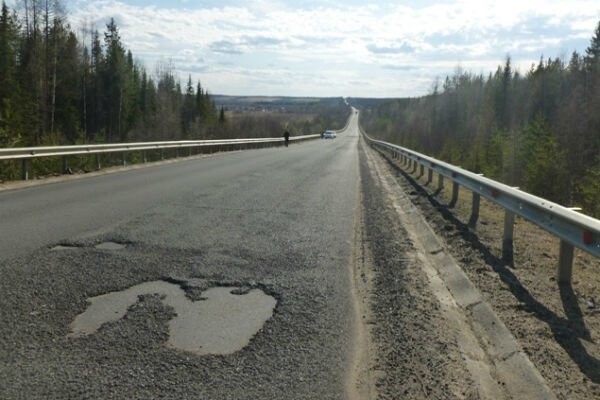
(265, 47)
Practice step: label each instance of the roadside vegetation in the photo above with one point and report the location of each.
(539, 129)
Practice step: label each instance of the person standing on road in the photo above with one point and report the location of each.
(286, 136)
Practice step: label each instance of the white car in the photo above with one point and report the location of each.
(329, 135)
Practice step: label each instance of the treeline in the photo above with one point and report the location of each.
(539, 130)
(58, 87)
(255, 117)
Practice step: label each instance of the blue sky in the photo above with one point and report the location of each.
(340, 48)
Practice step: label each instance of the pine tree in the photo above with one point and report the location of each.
(10, 117)
(96, 116)
(593, 50)
(188, 110)
(114, 82)
(68, 88)
(8, 54)
(222, 116)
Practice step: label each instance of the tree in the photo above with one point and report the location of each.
(96, 118)
(67, 89)
(8, 54)
(593, 51)
(188, 111)
(10, 115)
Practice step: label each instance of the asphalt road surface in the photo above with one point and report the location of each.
(278, 219)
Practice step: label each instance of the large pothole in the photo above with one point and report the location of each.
(221, 323)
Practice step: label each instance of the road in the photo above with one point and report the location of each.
(279, 219)
(285, 273)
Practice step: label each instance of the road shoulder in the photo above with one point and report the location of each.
(416, 351)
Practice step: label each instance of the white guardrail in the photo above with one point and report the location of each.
(574, 229)
(26, 153)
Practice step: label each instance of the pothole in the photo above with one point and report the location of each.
(110, 246)
(221, 323)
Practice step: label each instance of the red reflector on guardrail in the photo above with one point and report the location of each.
(587, 237)
(495, 193)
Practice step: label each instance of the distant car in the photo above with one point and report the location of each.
(329, 135)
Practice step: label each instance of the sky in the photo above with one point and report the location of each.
(340, 48)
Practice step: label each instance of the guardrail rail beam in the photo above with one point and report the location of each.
(572, 228)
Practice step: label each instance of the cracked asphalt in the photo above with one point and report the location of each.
(280, 219)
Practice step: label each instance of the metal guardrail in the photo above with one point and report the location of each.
(572, 228)
(26, 153)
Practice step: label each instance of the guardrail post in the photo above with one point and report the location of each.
(440, 182)
(454, 199)
(429, 176)
(189, 151)
(25, 169)
(65, 165)
(474, 210)
(98, 163)
(162, 154)
(124, 159)
(422, 170)
(507, 239)
(414, 166)
(565, 263)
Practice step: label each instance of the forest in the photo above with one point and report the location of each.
(61, 86)
(58, 87)
(538, 130)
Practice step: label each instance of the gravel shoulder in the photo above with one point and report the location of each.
(558, 327)
(414, 349)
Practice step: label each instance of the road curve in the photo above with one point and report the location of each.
(278, 219)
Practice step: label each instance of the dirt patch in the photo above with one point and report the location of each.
(556, 326)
